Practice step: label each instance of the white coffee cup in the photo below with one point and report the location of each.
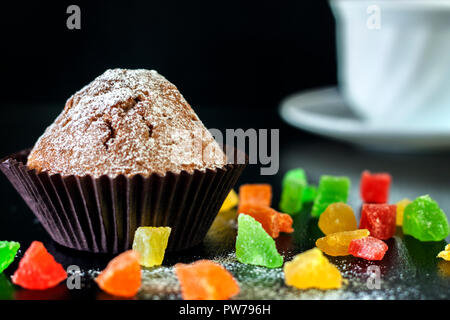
(394, 60)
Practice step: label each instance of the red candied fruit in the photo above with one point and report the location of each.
(379, 219)
(38, 270)
(368, 248)
(374, 187)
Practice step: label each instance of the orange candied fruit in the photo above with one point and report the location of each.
(268, 217)
(205, 280)
(259, 194)
(285, 223)
(122, 275)
(271, 220)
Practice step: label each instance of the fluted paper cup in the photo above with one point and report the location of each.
(101, 214)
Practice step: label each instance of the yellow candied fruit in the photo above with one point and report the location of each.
(311, 269)
(401, 205)
(230, 202)
(337, 217)
(445, 254)
(151, 244)
(444, 268)
(336, 244)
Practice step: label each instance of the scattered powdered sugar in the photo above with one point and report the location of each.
(159, 283)
(398, 278)
(268, 284)
(126, 122)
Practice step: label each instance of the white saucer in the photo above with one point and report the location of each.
(323, 111)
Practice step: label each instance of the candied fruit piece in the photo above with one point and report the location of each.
(254, 246)
(38, 270)
(271, 220)
(379, 219)
(293, 186)
(8, 251)
(401, 205)
(285, 223)
(331, 189)
(374, 187)
(368, 248)
(6, 288)
(443, 267)
(309, 194)
(445, 254)
(151, 244)
(337, 217)
(122, 275)
(424, 220)
(230, 202)
(311, 269)
(268, 217)
(205, 280)
(336, 244)
(257, 194)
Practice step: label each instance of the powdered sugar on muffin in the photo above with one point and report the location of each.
(126, 122)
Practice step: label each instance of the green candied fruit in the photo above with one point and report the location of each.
(6, 288)
(424, 220)
(294, 184)
(331, 189)
(8, 251)
(254, 246)
(309, 194)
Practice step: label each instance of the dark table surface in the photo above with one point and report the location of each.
(410, 269)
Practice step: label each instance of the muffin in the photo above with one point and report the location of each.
(126, 151)
(126, 122)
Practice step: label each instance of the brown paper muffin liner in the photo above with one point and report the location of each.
(101, 214)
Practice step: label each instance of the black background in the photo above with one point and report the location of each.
(233, 61)
(222, 53)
